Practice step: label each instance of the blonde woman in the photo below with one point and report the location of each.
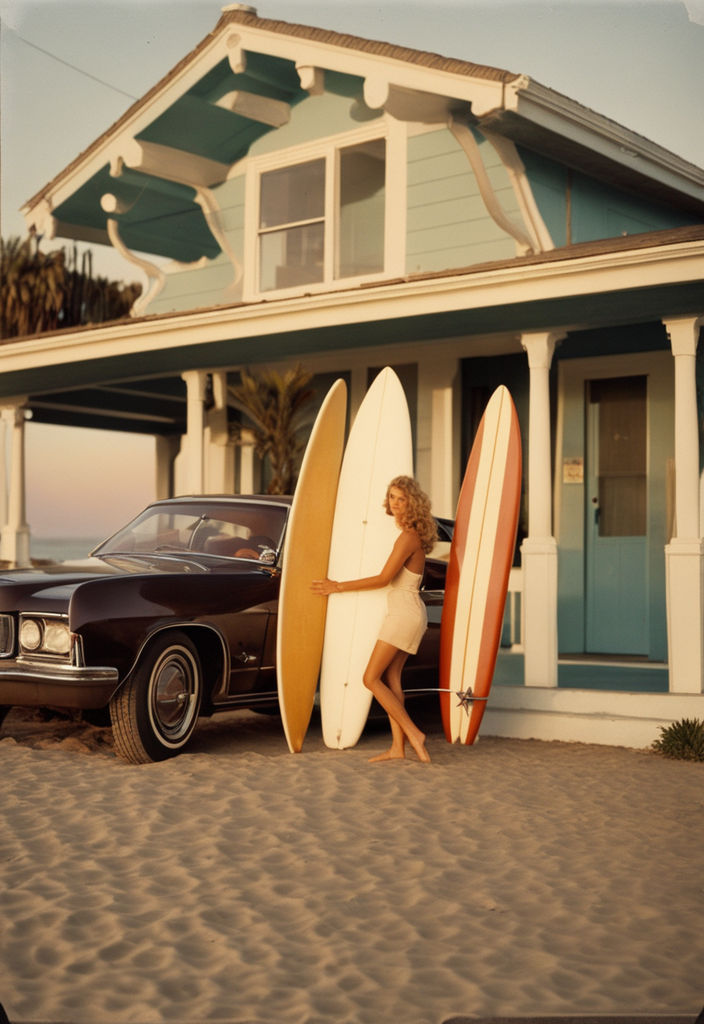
(406, 620)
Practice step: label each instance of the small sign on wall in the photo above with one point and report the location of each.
(573, 471)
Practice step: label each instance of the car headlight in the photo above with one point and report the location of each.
(45, 636)
(31, 635)
(57, 638)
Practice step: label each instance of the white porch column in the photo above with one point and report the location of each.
(195, 427)
(358, 389)
(437, 451)
(3, 474)
(220, 461)
(166, 451)
(684, 555)
(539, 549)
(247, 462)
(14, 545)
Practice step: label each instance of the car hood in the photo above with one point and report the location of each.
(50, 588)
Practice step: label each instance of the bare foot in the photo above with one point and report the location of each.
(388, 755)
(419, 747)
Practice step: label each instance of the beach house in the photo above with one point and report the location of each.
(299, 195)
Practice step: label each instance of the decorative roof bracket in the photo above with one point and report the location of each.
(463, 134)
(168, 163)
(312, 79)
(532, 217)
(235, 54)
(181, 168)
(155, 275)
(410, 104)
(257, 108)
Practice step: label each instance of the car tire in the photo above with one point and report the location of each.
(154, 714)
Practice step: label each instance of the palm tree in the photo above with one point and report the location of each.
(47, 291)
(31, 288)
(275, 403)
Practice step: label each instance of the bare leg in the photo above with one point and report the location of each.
(381, 658)
(392, 678)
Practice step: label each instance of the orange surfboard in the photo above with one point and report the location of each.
(301, 613)
(479, 564)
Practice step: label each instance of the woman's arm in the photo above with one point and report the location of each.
(406, 543)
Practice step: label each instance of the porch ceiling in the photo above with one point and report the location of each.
(154, 405)
(140, 390)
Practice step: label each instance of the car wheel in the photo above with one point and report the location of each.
(155, 712)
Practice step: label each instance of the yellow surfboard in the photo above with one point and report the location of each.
(301, 614)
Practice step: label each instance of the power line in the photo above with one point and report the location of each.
(73, 67)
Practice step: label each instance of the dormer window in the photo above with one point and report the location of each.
(292, 226)
(322, 219)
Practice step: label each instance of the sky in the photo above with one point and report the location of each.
(70, 68)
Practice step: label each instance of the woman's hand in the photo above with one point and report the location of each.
(324, 587)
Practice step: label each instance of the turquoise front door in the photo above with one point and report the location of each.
(616, 517)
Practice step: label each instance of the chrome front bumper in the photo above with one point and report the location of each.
(32, 684)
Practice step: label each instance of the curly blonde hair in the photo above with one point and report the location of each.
(417, 515)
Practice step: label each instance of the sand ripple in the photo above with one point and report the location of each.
(240, 883)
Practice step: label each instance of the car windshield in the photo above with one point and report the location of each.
(247, 530)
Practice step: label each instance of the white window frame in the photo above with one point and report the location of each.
(394, 134)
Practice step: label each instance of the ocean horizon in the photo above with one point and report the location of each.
(62, 549)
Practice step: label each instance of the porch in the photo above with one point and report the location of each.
(603, 699)
(611, 703)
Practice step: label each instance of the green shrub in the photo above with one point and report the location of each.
(683, 740)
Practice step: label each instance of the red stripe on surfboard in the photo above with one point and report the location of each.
(452, 578)
(505, 542)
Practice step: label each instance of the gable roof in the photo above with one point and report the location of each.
(185, 114)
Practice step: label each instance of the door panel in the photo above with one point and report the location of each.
(246, 636)
(617, 516)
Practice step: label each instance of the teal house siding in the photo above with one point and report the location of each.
(549, 182)
(447, 223)
(599, 211)
(315, 118)
(212, 282)
(577, 208)
(196, 288)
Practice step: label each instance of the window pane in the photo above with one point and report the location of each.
(622, 455)
(292, 194)
(362, 205)
(291, 257)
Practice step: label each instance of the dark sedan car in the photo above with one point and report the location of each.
(171, 618)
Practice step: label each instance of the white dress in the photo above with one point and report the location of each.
(406, 618)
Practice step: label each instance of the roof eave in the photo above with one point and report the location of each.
(530, 108)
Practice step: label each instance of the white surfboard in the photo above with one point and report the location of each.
(379, 448)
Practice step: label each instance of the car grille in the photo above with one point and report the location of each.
(7, 635)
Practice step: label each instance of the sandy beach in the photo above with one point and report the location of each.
(241, 883)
